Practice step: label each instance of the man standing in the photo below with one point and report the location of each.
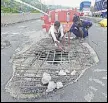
(57, 34)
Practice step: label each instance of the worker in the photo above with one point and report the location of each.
(80, 27)
(57, 34)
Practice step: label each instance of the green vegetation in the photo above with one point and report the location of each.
(9, 10)
(34, 11)
(11, 6)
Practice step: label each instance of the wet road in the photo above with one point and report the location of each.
(92, 86)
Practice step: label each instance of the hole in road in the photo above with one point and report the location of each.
(53, 57)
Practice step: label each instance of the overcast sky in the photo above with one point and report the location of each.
(71, 3)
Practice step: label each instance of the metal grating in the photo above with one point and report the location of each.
(30, 66)
(53, 56)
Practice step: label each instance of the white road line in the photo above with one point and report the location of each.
(97, 81)
(104, 95)
(22, 26)
(5, 33)
(93, 88)
(30, 32)
(104, 41)
(89, 96)
(99, 70)
(15, 33)
(104, 77)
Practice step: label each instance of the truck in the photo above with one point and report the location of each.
(100, 8)
(85, 8)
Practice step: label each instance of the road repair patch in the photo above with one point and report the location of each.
(43, 57)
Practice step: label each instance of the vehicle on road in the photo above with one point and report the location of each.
(100, 8)
(85, 8)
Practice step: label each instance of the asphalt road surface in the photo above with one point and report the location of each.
(91, 87)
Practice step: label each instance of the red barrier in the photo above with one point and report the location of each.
(52, 16)
(58, 15)
(62, 16)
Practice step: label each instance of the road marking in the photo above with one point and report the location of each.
(104, 77)
(22, 27)
(104, 95)
(39, 20)
(104, 41)
(97, 81)
(93, 88)
(5, 32)
(15, 33)
(89, 96)
(99, 70)
(30, 32)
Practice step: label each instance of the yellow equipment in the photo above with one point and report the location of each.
(103, 23)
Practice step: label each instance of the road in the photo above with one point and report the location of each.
(91, 87)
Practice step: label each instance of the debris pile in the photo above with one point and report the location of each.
(51, 86)
(46, 78)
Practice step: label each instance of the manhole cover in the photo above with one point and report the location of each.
(30, 64)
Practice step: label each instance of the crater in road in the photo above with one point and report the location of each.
(30, 64)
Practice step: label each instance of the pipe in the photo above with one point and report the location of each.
(31, 6)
